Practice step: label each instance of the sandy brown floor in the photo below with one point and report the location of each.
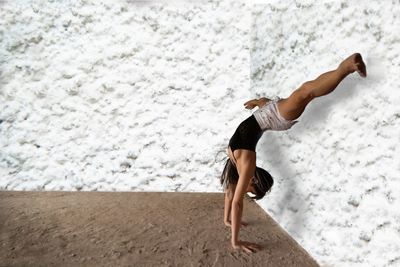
(135, 229)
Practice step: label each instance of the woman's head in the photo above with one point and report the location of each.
(261, 182)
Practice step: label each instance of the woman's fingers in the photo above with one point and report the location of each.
(229, 224)
(250, 104)
(248, 247)
(245, 248)
(253, 245)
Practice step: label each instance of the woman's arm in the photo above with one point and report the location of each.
(228, 204)
(262, 101)
(227, 211)
(237, 211)
(237, 208)
(229, 193)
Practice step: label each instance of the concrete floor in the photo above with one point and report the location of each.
(135, 229)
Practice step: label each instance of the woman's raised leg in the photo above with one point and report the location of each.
(292, 107)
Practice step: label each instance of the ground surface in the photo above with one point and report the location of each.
(135, 229)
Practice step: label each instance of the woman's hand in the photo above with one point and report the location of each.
(251, 104)
(256, 102)
(228, 223)
(246, 246)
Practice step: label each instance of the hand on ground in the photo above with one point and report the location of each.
(247, 246)
(228, 223)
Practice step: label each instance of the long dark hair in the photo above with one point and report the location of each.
(229, 175)
(262, 181)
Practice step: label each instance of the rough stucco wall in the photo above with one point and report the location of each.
(337, 171)
(121, 95)
(140, 97)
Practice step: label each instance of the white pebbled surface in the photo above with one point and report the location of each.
(135, 96)
(337, 170)
(120, 96)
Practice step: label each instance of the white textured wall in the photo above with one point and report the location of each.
(140, 97)
(121, 95)
(337, 170)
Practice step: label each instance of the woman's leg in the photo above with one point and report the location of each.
(292, 107)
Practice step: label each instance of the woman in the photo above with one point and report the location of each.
(240, 174)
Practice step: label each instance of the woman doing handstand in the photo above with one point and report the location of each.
(240, 174)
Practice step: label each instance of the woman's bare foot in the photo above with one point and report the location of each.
(360, 65)
(354, 63)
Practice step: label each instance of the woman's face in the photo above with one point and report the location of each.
(250, 187)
